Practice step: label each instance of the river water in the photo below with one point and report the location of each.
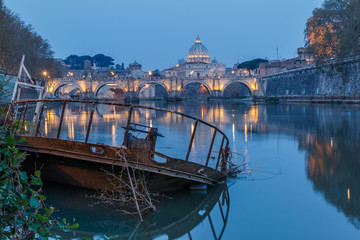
(301, 176)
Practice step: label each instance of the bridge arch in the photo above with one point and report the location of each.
(109, 85)
(243, 83)
(186, 85)
(146, 84)
(75, 86)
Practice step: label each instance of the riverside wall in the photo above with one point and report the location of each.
(333, 80)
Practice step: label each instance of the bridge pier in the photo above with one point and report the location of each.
(174, 95)
(215, 94)
(131, 96)
(88, 95)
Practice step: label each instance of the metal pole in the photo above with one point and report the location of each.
(23, 121)
(221, 211)
(13, 123)
(211, 146)
(191, 140)
(90, 122)
(220, 152)
(39, 120)
(212, 227)
(61, 120)
(17, 127)
(128, 126)
(9, 112)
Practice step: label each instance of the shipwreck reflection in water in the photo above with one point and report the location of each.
(178, 214)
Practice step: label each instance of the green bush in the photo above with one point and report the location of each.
(23, 212)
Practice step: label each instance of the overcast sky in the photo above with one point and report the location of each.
(157, 33)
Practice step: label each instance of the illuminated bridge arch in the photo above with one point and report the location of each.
(243, 83)
(73, 86)
(109, 85)
(186, 85)
(147, 84)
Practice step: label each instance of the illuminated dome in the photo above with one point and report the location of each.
(198, 53)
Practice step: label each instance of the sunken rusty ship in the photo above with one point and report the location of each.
(79, 161)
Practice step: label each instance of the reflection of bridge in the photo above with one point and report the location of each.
(131, 87)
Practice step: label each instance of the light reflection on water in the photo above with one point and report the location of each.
(305, 181)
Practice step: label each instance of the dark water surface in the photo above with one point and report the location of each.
(301, 179)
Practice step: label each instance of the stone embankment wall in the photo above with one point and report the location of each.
(331, 80)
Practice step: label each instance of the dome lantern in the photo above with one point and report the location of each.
(198, 52)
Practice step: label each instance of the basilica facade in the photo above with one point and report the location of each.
(197, 64)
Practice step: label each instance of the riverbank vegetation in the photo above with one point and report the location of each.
(18, 38)
(100, 60)
(334, 30)
(23, 211)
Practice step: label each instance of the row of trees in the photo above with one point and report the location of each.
(77, 62)
(252, 64)
(334, 30)
(18, 38)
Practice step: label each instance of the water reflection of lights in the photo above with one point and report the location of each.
(71, 133)
(348, 193)
(113, 134)
(233, 131)
(233, 126)
(245, 131)
(46, 126)
(114, 109)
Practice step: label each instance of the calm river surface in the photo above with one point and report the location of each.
(301, 180)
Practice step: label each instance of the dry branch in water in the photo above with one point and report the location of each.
(127, 190)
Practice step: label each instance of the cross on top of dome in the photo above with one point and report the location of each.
(198, 39)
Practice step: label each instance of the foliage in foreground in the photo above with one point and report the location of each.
(334, 30)
(23, 212)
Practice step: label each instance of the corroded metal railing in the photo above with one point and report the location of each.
(16, 118)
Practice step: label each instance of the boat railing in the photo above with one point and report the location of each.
(18, 119)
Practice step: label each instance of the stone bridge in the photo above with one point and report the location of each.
(131, 87)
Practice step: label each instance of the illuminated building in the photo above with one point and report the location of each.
(197, 64)
(135, 69)
(304, 59)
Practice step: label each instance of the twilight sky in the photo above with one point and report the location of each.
(159, 32)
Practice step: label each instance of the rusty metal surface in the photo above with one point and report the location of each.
(139, 153)
(108, 156)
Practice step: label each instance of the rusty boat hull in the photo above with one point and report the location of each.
(87, 165)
